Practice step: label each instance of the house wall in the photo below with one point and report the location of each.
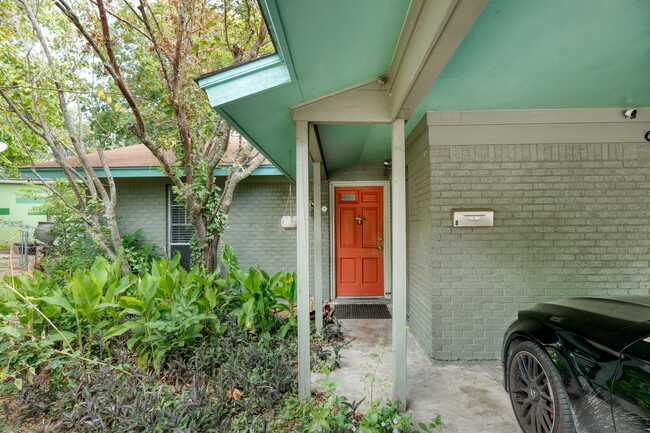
(18, 209)
(254, 229)
(572, 218)
(255, 232)
(421, 295)
(142, 204)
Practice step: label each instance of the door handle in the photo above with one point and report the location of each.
(380, 248)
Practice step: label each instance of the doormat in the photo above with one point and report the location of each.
(361, 311)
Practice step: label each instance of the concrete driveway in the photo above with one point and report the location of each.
(468, 395)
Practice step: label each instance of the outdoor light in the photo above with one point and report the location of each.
(630, 113)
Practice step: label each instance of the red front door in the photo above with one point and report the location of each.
(359, 241)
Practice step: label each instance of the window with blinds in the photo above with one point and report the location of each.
(180, 229)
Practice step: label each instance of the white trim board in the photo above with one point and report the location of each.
(594, 125)
(387, 235)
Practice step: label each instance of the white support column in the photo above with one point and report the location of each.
(302, 248)
(318, 254)
(398, 183)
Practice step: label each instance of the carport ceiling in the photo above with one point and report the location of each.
(549, 54)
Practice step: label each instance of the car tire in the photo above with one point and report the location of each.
(538, 397)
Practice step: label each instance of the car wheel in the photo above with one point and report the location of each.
(536, 392)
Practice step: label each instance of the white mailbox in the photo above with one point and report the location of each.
(472, 217)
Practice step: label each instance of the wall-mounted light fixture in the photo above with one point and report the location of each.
(630, 113)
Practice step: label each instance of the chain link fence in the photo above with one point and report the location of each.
(20, 246)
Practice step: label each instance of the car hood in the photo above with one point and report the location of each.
(614, 322)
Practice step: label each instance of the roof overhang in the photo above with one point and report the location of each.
(351, 68)
(245, 80)
(426, 34)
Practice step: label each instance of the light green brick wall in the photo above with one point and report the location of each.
(254, 221)
(255, 232)
(142, 204)
(254, 229)
(421, 295)
(570, 220)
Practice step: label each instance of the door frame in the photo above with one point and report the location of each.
(387, 235)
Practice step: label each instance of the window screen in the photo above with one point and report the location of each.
(179, 222)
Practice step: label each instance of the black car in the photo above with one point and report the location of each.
(580, 365)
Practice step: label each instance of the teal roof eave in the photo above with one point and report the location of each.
(245, 80)
(128, 172)
(223, 113)
(257, 102)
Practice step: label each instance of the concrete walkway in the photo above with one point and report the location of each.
(468, 395)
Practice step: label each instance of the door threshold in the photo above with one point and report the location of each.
(361, 300)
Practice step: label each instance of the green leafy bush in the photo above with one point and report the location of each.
(140, 254)
(259, 297)
(169, 350)
(168, 309)
(76, 312)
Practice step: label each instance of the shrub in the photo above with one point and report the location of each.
(140, 254)
(169, 350)
(259, 297)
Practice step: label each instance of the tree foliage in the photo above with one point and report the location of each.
(122, 72)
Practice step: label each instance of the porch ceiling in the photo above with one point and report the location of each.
(354, 143)
(519, 55)
(327, 46)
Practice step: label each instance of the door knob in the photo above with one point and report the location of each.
(380, 248)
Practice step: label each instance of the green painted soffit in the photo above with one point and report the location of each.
(530, 54)
(354, 143)
(56, 173)
(327, 46)
(520, 54)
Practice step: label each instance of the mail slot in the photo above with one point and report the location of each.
(472, 217)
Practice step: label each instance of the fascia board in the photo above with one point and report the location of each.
(131, 172)
(57, 173)
(364, 103)
(245, 80)
(432, 33)
(274, 24)
(258, 75)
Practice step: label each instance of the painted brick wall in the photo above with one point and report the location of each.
(255, 232)
(570, 219)
(420, 294)
(254, 229)
(254, 221)
(141, 204)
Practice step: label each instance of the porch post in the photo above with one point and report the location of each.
(318, 259)
(302, 262)
(398, 189)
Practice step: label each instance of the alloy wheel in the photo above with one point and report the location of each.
(531, 394)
